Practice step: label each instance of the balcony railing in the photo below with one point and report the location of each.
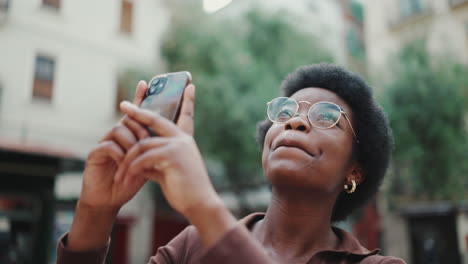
(454, 3)
(406, 17)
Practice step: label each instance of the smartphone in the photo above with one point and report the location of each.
(165, 92)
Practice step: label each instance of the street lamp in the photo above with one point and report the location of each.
(211, 6)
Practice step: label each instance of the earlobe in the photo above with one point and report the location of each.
(353, 179)
(355, 174)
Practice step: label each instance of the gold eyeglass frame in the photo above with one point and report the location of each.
(342, 112)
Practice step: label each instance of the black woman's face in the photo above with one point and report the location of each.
(298, 155)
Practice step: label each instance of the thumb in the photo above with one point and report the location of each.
(140, 92)
(185, 121)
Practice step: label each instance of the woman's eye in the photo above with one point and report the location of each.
(285, 113)
(327, 117)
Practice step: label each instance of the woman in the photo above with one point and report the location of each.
(326, 146)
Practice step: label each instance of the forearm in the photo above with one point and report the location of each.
(91, 228)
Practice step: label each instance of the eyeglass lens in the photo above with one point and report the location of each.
(282, 109)
(322, 115)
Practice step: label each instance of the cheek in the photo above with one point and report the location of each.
(337, 158)
(270, 135)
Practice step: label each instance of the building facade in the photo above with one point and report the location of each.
(61, 62)
(390, 25)
(60, 66)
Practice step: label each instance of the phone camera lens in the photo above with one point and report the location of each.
(157, 86)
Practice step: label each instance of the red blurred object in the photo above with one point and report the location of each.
(466, 242)
(119, 247)
(366, 228)
(166, 227)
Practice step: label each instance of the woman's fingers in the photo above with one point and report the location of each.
(137, 129)
(122, 136)
(153, 159)
(162, 126)
(126, 133)
(107, 149)
(140, 147)
(185, 121)
(140, 92)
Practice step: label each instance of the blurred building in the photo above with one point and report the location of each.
(61, 63)
(390, 25)
(434, 232)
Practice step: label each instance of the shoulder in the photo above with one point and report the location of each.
(187, 246)
(350, 244)
(378, 259)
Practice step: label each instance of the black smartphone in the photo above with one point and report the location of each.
(165, 92)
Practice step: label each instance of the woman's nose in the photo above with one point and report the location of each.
(298, 123)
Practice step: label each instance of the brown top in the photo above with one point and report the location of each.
(236, 246)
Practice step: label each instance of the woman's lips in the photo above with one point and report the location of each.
(292, 143)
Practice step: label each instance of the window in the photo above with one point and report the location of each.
(4, 5)
(51, 3)
(43, 77)
(410, 7)
(126, 16)
(355, 42)
(357, 10)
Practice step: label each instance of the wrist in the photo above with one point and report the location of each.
(212, 220)
(96, 211)
(91, 227)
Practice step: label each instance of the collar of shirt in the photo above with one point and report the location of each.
(349, 248)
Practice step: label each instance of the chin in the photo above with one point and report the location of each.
(293, 175)
(288, 172)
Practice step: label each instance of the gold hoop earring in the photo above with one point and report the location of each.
(352, 188)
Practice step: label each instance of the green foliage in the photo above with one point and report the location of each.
(427, 107)
(237, 66)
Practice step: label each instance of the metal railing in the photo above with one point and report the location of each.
(456, 2)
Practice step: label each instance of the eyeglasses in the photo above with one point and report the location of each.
(321, 115)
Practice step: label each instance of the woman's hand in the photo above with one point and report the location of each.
(173, 161)
(99, 189)
(101, 197)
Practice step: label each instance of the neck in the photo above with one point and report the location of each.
(297, 224)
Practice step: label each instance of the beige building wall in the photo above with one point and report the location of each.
(462, 228)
